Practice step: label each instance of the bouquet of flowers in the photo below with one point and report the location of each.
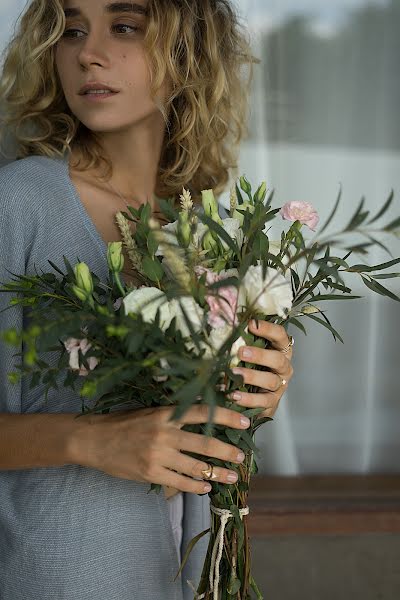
(172, 338)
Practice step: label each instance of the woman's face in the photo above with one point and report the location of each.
(103, 42)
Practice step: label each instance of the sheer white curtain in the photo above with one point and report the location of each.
(324, 112)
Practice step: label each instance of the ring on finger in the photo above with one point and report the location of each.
(209, 472)
(283, 382)
(290, 344)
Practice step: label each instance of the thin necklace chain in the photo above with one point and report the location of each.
(119, 194)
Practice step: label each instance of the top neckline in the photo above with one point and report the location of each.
(86, 218)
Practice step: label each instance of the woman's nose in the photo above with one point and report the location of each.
(93, 50)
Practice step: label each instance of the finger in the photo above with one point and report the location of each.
(207, 446)
(263, 379)
(180, 482)
(271, 331)
(268, 358)
(193, 467)
(267, 400)
(200, 413)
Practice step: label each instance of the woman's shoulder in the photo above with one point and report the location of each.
(28, 182)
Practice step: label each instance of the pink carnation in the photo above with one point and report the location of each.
(73, 345)
(300, 211)
(222, 304)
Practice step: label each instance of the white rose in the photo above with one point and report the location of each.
(193, 311)
(146, 301)
(269, 299)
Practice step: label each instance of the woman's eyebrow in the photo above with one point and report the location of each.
(112, 8)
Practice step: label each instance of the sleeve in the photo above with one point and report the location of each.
(12, 257)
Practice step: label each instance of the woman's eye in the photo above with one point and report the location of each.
(70, 32)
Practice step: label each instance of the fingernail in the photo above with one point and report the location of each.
(246, 353)
(240, 457)
(253, 323)
(237, 396)
(232, 477)
(237, 371)
(207, 487)
(245, 421)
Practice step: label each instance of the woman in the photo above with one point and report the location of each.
(76, 519)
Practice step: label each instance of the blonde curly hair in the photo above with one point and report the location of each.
(202, 48)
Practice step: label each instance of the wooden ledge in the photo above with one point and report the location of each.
(324, 505)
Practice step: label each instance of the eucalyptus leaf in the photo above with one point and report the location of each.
(333, 211)
(152, 268)
(321, 322)
(190, 547)
(298, 324)
(379, 289)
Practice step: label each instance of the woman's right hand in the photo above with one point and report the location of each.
(144, 445)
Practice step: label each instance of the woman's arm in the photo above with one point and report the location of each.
(37, 440)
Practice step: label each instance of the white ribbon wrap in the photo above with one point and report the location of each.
(225, 514)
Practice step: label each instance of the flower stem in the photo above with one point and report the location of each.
(119, 283)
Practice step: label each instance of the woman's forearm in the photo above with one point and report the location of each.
(38, 440)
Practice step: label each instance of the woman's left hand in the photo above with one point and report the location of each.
(270, 382)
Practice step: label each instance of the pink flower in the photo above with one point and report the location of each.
(222, 303)
(300, 211)
(73, 345)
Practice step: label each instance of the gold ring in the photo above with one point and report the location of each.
(283, 382)
(208, 473)
(290, 344)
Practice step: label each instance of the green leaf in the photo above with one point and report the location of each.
(167, 209)
(239, 195)
(380, 289)
(368, 268)
(56, 268)
(234, 586)
(152, 269)
(296, 279)
(334, 297)
(70, 270)
(334, 332)
(233, 435)
(333, 212)
(386, 276)
(250, 412)
(152, 243)
(360, 248)
(358, 217)
(220, 231)
(393, 225)
(190, 547)
(384, 208)
(243, 486)
(298, 324)
(377, 242)
(248, 439)
(255, 588)
(260, 245)
(327, 269)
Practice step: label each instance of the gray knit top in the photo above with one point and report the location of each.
(72, 532)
